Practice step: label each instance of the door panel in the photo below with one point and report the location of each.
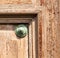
(12, 46)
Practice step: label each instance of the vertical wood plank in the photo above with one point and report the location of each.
(50, 17)
(23, 47)
(30, 40)
(34, 39)
(2, 45)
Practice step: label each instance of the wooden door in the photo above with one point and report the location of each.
(12, 46)
(46, 32)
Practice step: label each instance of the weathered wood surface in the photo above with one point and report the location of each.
(49, 23)
(50, 29)
(10, 45)
(13, 47)
(18, 1)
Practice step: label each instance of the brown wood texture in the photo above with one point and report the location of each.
(14, 1)
(50, 29)
(48, 12)
(17, 47)
(18, 1)
(10, 45)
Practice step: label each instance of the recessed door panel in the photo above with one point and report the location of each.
(18, 36)
(12, 46)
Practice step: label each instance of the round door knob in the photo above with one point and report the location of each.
(21, 31)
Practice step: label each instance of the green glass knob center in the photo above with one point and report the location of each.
(21, 31)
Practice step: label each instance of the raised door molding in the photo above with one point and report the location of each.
(48, 23)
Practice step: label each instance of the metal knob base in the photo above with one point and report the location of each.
(21, 31)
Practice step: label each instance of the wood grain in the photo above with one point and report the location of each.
(50, 43)
(15, 1)
(48, 12)
(10, 45)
